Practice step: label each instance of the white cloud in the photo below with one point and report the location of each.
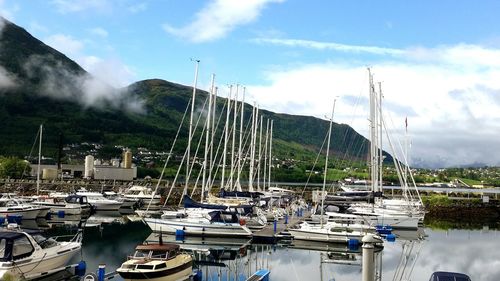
(329, 46)
(73, 6)
(7, 80)
(65, 44)
(99, 31)
(218, 18)
(137, 8)
(450, 93)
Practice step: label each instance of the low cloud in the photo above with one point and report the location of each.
(218, 18)
(7, 80)
(59, 82)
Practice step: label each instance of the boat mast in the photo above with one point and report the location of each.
(326, 164)
(252, 147)
(214, 130)
(226, 129)
(270, 153)
(240, 152)
(380, 151)
(260, 154)
(265, 156)
(191, 125)
(235, 115)
(373, 136)
(39, 161)
(207, 140)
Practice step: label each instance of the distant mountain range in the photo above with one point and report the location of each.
(38, 85)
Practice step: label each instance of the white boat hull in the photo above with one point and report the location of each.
(34, 267)
(26, 214)
(198, 229)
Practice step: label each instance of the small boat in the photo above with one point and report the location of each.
(157, 262)
(12, 208)
(202, 222)
(143, 194)
(67, 205)
(27, 254)
(99, 202)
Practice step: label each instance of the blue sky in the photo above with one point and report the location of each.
(438, 60)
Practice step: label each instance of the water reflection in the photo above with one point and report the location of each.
(110, 237)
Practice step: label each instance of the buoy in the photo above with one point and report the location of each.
(390, 237)
(198, 275)
(179, 233)
(101, 272)
(242, 221)
(80, 269)
(353, 243)
(60, 214)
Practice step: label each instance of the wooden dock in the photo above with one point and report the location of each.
(268, 235)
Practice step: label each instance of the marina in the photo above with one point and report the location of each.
(414, 254)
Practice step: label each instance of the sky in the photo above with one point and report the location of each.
(438, 61)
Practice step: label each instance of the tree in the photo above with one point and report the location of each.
(13, 167)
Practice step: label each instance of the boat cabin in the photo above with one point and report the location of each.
(77, 199)
(156, 251)
(15, 245)
(223, 217)
(449, 276)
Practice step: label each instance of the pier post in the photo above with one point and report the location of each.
(275, 225)
(101, 272)
(368, 270)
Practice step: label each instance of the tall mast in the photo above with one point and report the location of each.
(252, 148)
(270, 153)
(380, 151)
(326, 163)
(191, 125)
(214, 130)
(235, 115)
(260, 155)
(265, 156)
(373, 137)
(39, 161)
(240, 152)
(226, 129)
(207, 141)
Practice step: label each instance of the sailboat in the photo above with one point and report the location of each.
(405, 215)
(330, 231)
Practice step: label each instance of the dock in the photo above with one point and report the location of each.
(268, 233)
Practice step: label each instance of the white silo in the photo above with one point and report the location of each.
(89, 166)
(127, 159)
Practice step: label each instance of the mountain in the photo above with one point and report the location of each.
(41, 85)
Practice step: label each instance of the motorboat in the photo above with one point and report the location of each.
(13, 208)
(99, 202)
(325, 233)
(157, 262)
(143, 194)
(202, 222)
(127, 203)
(67, 205)
(28, 254)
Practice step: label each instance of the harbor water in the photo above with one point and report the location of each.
(110, 237)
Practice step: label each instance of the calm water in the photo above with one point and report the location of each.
(109, 238)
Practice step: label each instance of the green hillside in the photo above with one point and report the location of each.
(50, 89)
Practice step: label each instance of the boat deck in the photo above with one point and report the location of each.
(268, 235)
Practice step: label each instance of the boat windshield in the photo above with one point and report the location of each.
(44, 242)
(14, 247)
